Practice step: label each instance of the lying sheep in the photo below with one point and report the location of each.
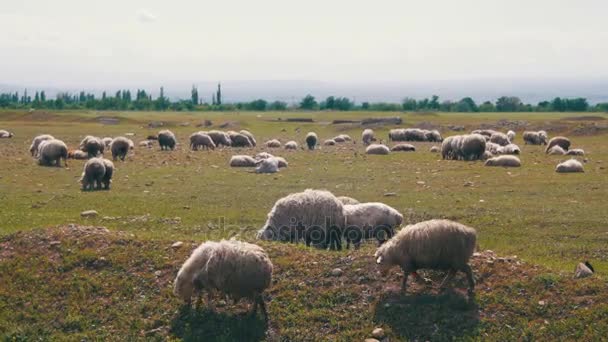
(571, 165)
(263, 155)
(434, 149)
(403, 147)
(93, 174)
(367, 136)
(152, 137)
(166, 140)
(146, 143)
(494, 148)
(4, 134)
(486, 155)
(329, 142)
(347, 200)
(92, 145)
(510, 149)
(377, 149)
(291, 145)
(36, 142)
(282, 162)
(434, 244)
(120, 147)
(50, 152)
(249, 136)
(220, 138)
(78, 155)
(233, 268)
(338, 139)
(534, 138)
(315, 215)
(505, 161)
(511, 135)
(242, 161)
(370, 220)
(556, 151)
(268, 165)
(311, 140)
(433, 136)
(562, 142)
(274, 143)
(500, 139)
(200, 140)
(575, 152)
(345, 137)
(487, 133)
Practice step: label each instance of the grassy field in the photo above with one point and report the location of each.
(116, 285)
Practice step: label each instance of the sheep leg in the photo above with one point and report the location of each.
(470, 278)
(448, 278)
(259, 300)
(404, 282)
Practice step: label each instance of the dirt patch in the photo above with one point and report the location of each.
(584, 118)
(590, 129)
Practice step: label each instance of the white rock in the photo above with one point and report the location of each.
(89, 213)
(378, 333)
(582, 271)
(178, 244)
(336, 272)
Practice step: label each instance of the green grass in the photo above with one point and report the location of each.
(546, 219)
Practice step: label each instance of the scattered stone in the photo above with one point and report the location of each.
(336, 272)
(378, 333)
(178, 244)
(420, 183)
(55, 243)
(371, 340)
(468, 183)
(390, 194)
(582, 271)
(541, 303)
(89, 213)
(158, 273)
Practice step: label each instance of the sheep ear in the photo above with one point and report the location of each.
(379, 260)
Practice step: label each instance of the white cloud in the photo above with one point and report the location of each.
(146, 16)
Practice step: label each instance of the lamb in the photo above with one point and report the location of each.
(51, 152)
(234, 268)
(505, 161)
(311, 140)
(291, 145)
(367, 220)
(78, 155)
(575, 152)
(571, 165)
(166, 140)
(556, 151)
(535, 138)
(268, 165)
(367, 136)
(434, 149)
(329, 142)
(240, 140)
(107, 141)
(434, 244)
(377, 149)
(562, 142)
(249, 136)
(92, 145)
(242, 161)
(510, 149)
(511, 135)
(4, 134)
(315, 215)
(36, 142)
(347, 200)
(120, 147)
(220, 138)
(201, 140)
(404, 148)
(500, 139)
(274, 143)
(93, 174)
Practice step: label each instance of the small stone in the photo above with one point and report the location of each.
(336, 272)
(178, 244)
(582, 271)
(420, 183)
(89, 213)
(55, 243)
(158, 273)
(371, 340)
(390, 194)
(378, 333)
(541, 302)
(476, 254)
(468, 183)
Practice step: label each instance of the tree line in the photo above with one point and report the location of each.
(142, 100)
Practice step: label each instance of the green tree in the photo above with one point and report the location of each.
(194, 95)
(308, 103)
(409, 104)
(508, 104)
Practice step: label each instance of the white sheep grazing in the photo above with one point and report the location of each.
(505, 161)
(166, 140)
(449, 147)
(107, 141)
(50, 152)
(377, 149)
(233, 268)
(571, 165)
(240, 140)
(4, 134)
(434, 149)
(500, 139)
(556, 150)
(242, 161)
(562, 142)
(36, 142)
(92, 145)
(107, 177)
(291, 145)
(434, 244)
(471, 146)
(220, 138)
(268, 165)
(367, 136)
(273, 143)
(329, 142)
(510, 149)
(93, 173)
(370, 220)
(249, 136)
(311, 140)
(403, 148)
(535, 138)
(575, 152)
(200, 140)
(511, 135)
(317, 216)
(348, 200)
(120, 147)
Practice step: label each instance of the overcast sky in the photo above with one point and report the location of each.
(118, 42)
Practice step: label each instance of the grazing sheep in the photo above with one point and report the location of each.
(92, 145)
(36, 142)
(433, 136)
(291, 145)
(367, 136)
(274, 143)
(4, 134)
(220, 138)
(396, 134)
(120, 147)
(370, 220)
(534, 138)
(562, 142)
(347, 200)
(434, 149)
(249, 136)
(377, 149)
(315, 215)
(404, 148)
(472, 146)
(50, 152)
(234, 268)
(434, 244)
(544, 136)
(242, 161)
(200, 140)
(311, 140)
(571, 165)
(449, 147)
(494, 148)
(240, 140)
(510, 149)
(107, 177)
(511, 135)
(556, 151)
(78, 155)
(282, 162)
(268, 165)
(107, 141)
(146, 143)
(575, 152)
(166, 140)
(500, 139)
(93, 174)
(329, 142)
(505, 161)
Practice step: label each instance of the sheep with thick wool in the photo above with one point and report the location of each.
(471, 146)
(338, 139)
(571, 165)
(377, 149)
(403, 148)
(500, 139)
(201, 140)
(433, 135)
(504, 161)
(273, 143)
(220, 138)
(311, 140)
(511, 135)
(50, 152)
(449, 147)
(562, 142)
(370, 220)
(576, 152)
(242, 161)
(329, 142)
(93, 173)
(4, 134)
(233, 268)
(78, 155)
(107, 141)
(36, 142)
(166, 140)
(510, 149)
(249, 136)
(535, 138)
(239, 140)
(434, 244)
(367, 136)
(348, 200)
(317, 216)
(291, 145)
(556, 150)
(120, 147)
(92, 145)
(267, 165)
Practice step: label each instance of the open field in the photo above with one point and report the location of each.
(550, 221)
